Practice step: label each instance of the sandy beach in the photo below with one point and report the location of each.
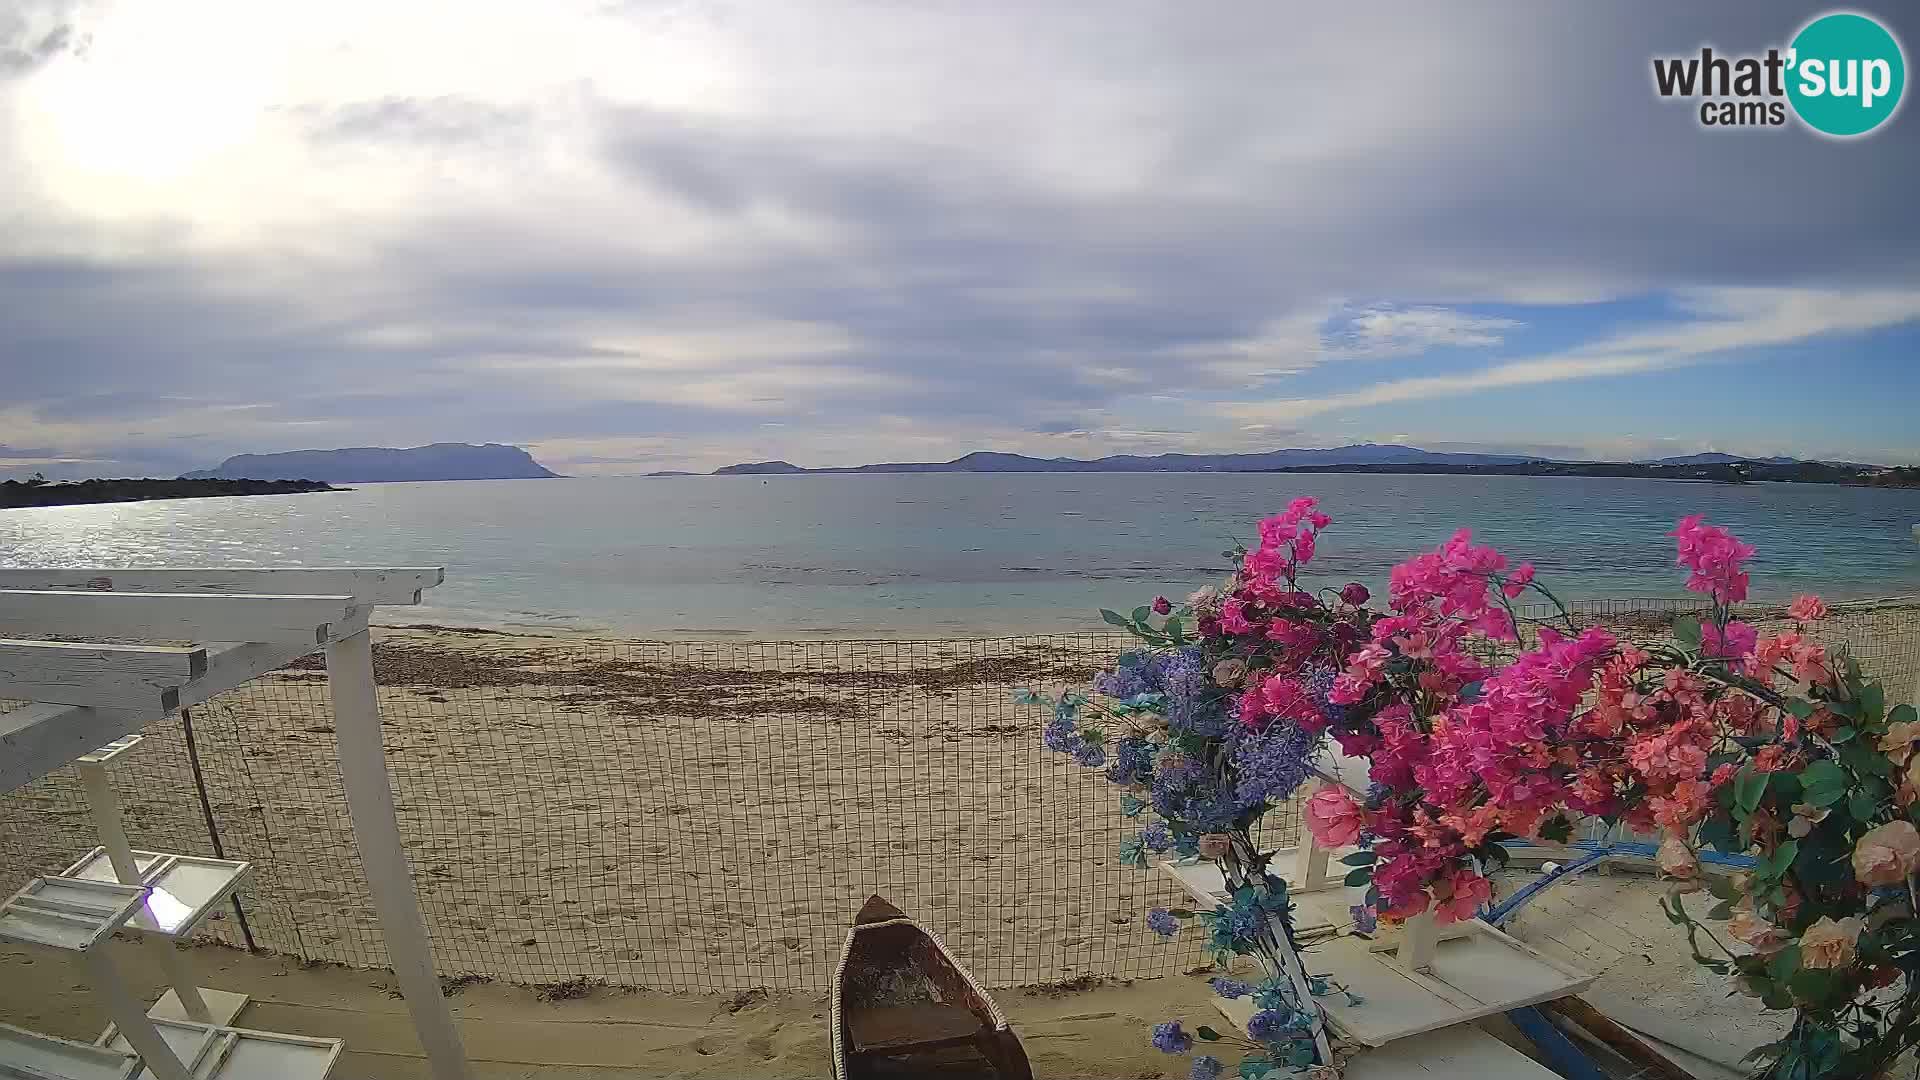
(669, 826)
(685, 817)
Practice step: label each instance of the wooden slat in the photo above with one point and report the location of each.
(367, 585)
(171, 616)
(37, 739)
(85, 673)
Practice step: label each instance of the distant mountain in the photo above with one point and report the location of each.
(1716, 458)
(757, 468)
(379, 464)
(982, 461)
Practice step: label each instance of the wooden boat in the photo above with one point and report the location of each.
(902, 1006)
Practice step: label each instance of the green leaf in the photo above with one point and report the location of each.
(1748, 787)
(1862, 806)
(1873, 701)
(1813, 984)
(1206, 1034)
(1717, 833)
(1801, 707)
(1784, 963)
(1823, 796)
(1843, 735)
(1114, 618)
(1675, 914)
(1140, 615)
(1903, 714)
(1177, 631)
(1360, 858)
(1252, 1068)
(1782, 858)
(1824, 774)
(1558, 829)
(1180, 913)
(1686, 631)
(1864, 760)
(1362, 876)
(1721, 911)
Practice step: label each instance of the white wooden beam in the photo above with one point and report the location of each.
(85, 673)
(376, 832)
(367, 585)
(172, 616)
(37, 739)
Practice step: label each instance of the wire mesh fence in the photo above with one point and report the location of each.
(691, 816)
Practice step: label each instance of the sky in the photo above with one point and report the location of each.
(638, 236)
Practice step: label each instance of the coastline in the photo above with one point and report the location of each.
(537, 627)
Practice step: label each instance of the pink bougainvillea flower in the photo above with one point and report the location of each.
(1469, 892)
(1737, 642)
(1233, 617)
(1518, 581)
(1715, 557)
(1887, 854)
(1333, 818)
(1807, 608)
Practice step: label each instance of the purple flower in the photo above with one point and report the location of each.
(1274, 762)
(1365, 919)
(1156, 838)
(1092, 755)
(1206, 1067)
(1231, 988)
(1168, 1038)
(1162, 922)
(1271, 1025)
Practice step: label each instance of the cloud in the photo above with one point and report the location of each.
(895, 231)
(1388, 330)
(1724, 321)
(35, 32)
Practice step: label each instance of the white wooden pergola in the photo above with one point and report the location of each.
(64, 648)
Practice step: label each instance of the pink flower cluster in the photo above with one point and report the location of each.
(1280, 697)
(1287, 542)
(1455, 582)
(1510, 740)
(1460, 751)
(1714, 557)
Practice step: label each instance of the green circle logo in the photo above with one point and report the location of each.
(1845, 74)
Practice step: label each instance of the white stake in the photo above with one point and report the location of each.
(376, 831)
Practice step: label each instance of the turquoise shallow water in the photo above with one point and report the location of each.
(959, 553)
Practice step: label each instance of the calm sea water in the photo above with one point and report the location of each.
(957, 553)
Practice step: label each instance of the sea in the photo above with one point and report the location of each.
(959, 554)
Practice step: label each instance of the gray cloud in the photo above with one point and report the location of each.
(33, 32)
(938, 224)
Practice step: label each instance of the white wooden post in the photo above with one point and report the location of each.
(105, 810)
(1417, 940)
(180, 977)
(132, 1023)
(376, 831)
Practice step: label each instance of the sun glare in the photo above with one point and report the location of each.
(151, 99)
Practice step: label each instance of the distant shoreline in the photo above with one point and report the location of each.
(1806, 472)
(20, 495)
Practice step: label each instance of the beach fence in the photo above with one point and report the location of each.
(692, 816)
